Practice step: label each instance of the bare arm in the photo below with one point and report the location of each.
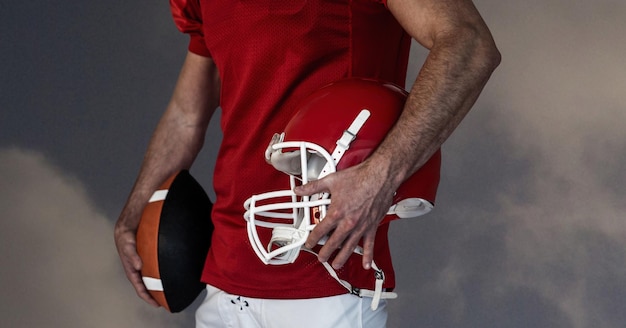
(176, 142)
(461, 59)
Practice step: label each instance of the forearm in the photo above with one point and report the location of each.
(172, 147)
(457, 68)
(179, 136)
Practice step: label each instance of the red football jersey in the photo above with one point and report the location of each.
(270, 54)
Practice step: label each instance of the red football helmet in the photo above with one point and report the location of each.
(336, 127)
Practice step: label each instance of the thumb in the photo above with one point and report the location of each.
(137, 262)
(312, 187)
(132, 257)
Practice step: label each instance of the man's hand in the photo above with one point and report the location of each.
(126, 244)
(361, 196)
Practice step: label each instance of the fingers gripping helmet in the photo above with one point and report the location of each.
(336, 127)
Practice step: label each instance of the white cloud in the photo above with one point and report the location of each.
(530, 230)
(59, 264)
(561, 107)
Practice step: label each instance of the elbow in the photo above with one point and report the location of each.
(485, 52)
(491, 55)
(476, 49)
(471, 44)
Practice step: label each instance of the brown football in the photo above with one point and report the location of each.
(173, 238)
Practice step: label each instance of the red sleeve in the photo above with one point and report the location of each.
(188, 19)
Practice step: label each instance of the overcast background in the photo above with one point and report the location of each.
(529, 228)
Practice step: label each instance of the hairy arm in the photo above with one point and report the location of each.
(461, 59)
(176, 142)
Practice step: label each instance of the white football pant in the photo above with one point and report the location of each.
(220, 309)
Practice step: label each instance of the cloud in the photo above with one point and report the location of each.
(530, 228)
(529, 225)
(59, 264)
(562, 112)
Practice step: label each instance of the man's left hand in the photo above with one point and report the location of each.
(360, 200)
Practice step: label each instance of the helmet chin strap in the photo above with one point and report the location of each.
(377, 294)
(346, 139)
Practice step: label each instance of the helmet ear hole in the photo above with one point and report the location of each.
(318, 214)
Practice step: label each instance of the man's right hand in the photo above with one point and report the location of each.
(126, 244)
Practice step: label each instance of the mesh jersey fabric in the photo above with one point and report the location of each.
(269, 55)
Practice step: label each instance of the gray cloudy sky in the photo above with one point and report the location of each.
(529, 230)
